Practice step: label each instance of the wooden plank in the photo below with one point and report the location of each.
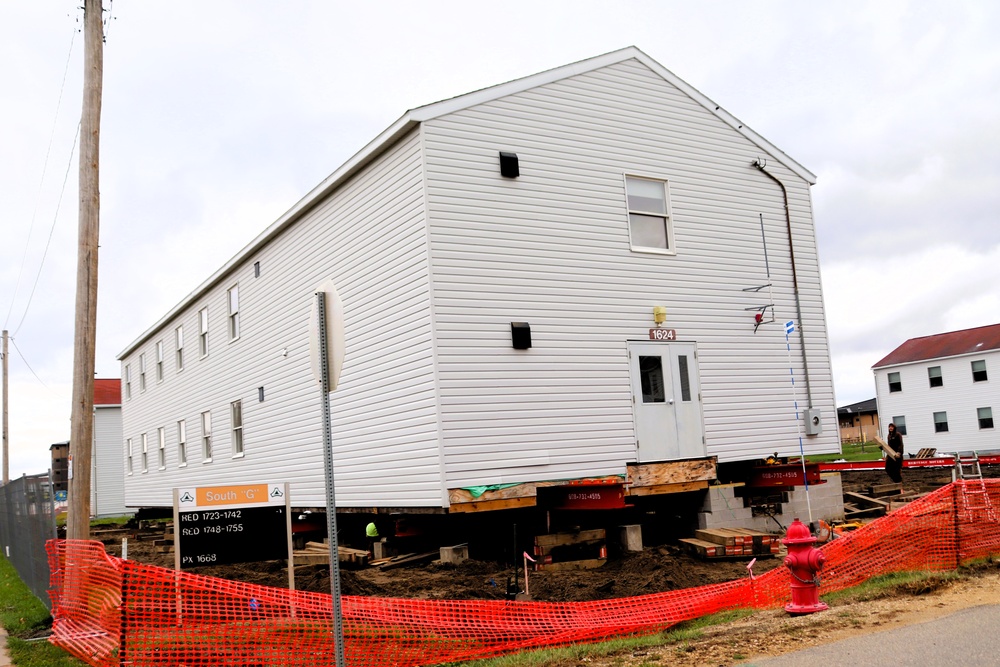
(573, 565)
(490, 505)
(716, 536)
(926, 453)
(865, 501)
(703, 548)
(664, 489)
(410, 559)
(886, 448)
(561, 539)
(671, 472)
(879, 490)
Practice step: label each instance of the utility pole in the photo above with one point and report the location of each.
(6, 442)
(85, 329)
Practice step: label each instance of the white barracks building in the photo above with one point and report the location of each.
(502, 258)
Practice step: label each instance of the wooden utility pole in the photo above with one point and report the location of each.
(81, 438)
(6, 442)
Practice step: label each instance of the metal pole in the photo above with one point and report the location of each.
(331, 503)
(6, 441)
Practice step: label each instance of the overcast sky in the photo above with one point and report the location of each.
(219, 116)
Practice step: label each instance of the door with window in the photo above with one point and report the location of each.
(666, 395)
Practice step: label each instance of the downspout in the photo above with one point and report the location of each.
(795, 279)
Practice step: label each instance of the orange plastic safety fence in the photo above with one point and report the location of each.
(111, 612)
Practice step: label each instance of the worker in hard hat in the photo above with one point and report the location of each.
(371, 532)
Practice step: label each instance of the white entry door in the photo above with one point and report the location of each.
(666, 395)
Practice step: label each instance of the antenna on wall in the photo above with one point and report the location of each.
(761, 316)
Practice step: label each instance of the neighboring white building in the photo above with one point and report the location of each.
(107, 481)
(566, 207)
(942, 391)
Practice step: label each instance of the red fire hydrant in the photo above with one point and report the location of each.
(804, 562)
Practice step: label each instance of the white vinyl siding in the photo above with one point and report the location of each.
(959, 398)
(370, 238)
(107, 489)
(552, 248)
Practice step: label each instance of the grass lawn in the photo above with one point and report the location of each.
(24, 617)
(865, 451)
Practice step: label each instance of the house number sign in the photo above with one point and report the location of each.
(662, 334)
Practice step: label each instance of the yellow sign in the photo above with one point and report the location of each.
(245, 494)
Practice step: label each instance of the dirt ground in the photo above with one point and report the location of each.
(656, 569)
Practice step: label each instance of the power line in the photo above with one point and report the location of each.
(26, 362)
(41, 181)
(55, 217)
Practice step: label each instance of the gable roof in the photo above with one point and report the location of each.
(938, 346)
(414, 117)
(108, 392)
(871, 405)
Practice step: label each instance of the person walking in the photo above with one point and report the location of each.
(894, 464)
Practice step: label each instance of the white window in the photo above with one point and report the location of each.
(206, 436)
(940, 422)
(162, 438)
(179, 337)
(159, 361)
(900, 422)
(895, 384)
(985, 416)
(142, 372)
(182, 457)
(934, 376)
(649, 214)
(203, 331)
(236, 408)
(979, 371)
(128, 451)
(145, 453)
(234, 312)
(128, 381)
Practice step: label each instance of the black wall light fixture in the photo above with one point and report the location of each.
(508, 165)
(520, 335)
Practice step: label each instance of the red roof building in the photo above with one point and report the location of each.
(938, 346)
(108, 392)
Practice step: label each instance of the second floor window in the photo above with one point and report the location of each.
(159, 361)
(234, 312)
(179, 339)
(142, 372)
(128, 381)
(894, 383)
(203, 331)
(979, 371)
(648, 214)
(934, 376)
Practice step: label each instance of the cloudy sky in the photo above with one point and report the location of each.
(219, 115)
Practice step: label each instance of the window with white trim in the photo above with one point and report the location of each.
(206, 436)
(649, 223)
(128, 381)
(203, 331)
(161, 437)
(979, 371)
(934, 376)
(128, 452)
(234, 311)
(159, 361)
(142, 372)
(985, 416)
(940, 422)
(182, 457)
(895, 384)
(145, 453)
(900, 422)
(236, 410)
(179, 341)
